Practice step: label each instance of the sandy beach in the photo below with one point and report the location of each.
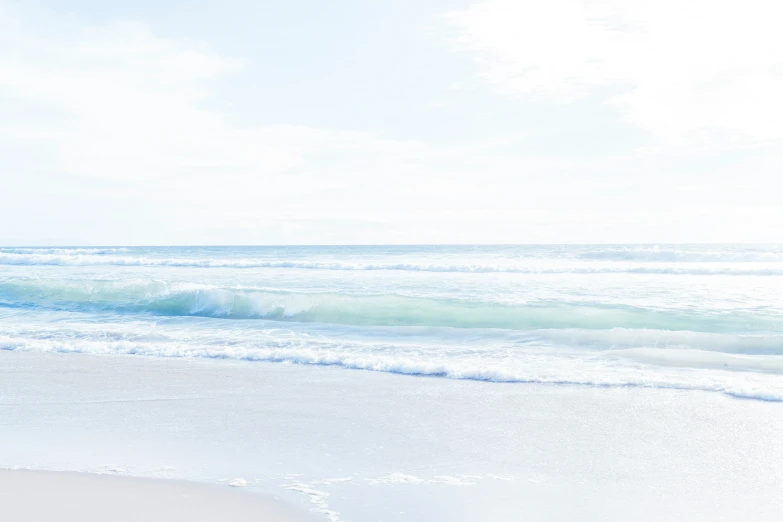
(353, 446)
(44, 496)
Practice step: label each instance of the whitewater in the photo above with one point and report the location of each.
(691, 317)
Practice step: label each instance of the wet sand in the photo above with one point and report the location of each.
(43, 496)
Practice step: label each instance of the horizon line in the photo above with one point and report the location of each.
(299, 245)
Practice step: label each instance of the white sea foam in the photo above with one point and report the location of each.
(686, 370)
(319, 500)
(397, 478)
(536, 266)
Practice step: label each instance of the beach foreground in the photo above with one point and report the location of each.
(354, 446)
(43, 496)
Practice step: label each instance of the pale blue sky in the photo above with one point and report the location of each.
(494, 121)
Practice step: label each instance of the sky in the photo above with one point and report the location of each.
(375, 122)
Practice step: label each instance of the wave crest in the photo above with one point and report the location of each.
(185, 299)
(538, 267)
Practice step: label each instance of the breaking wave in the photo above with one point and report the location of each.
(601, 373)
(185, 299)
(537, 267)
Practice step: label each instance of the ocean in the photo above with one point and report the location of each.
(692, 317)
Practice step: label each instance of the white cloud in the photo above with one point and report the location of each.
(111, 134)
(121, 103)
(690, 72)
(118, 112)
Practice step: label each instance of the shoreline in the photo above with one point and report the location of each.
(350, 446)
(71, 496)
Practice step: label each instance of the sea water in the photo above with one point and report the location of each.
(700, 317)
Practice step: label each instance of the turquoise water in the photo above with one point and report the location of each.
(692, 317)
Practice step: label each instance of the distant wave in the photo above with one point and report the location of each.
(659, 254)
(735, 384)
(70, 251)
(9, 258)
(181, 299)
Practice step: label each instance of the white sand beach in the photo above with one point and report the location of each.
(55, 496)
(354, 446)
